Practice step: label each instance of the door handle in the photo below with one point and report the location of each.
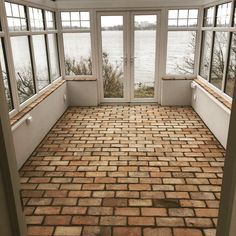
(125, 60)
(132, 59)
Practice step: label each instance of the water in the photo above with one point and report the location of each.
(78, 45)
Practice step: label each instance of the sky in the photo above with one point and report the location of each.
(108, 21)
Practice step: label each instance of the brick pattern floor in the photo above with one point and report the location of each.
(124, 170)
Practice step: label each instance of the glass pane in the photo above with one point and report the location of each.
(173, 14)
(85, 24)
(53, 51)
(218, 60)
(84, 16)
(183, 14)
(23, 68)
(66, 24)
(5, 76)
(50, 20)
(74, 16)
(77, 47)
(231, 74)
(144, 55)
(182, 22)
(193, 13)
(112, 56)
(172, 23)
(223, 14)
(15, 10)
(235, 16)
(10, 22)
(205, 54)
(208, 16)
(65, 16)
(192, 22)
(8, 8)
(180, 52)
(75, 24)
(22, 11)
(17, 24)
(40, 56)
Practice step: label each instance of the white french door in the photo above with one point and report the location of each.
(128, 56)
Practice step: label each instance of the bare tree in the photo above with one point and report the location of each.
(187, 66)
(25, 84)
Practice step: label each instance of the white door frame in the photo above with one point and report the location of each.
(125, 50)
(132, 45)
(128, 37)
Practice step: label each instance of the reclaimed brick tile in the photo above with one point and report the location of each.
(127, 211)
(57, 220)
(123, 170)
(113, 220)
(187, 232)
(40, 230)
(85, 220)
(96, 231)
(169, 221)
(68, 230)
(157, 232)
(141, 221)
(131, 231)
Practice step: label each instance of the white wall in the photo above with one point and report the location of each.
(215, 115)
(28, 136)
(82, 93)
(176, 92)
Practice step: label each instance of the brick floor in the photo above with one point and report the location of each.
(124, 170)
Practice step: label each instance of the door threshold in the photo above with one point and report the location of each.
(128, 103)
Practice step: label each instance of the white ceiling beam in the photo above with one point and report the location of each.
(108, 4)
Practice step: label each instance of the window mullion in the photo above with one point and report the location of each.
(61, 52)
(9, 55)
(198, 43)
(228, 49)
(48, 59)
(212, 44)
(31, 47)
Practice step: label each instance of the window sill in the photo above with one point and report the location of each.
(216, 95)
(32, 105)
(179, 77)
(80, 79)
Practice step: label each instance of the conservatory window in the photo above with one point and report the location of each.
(208, 16)
(36, 19)
(75, 20)
(23, 67)
(50, 20)
(182, 26)
(77, 43)
(54, 57)
(219, 57)
(223, 14)
(40, 55)
(16, 17)
(183, 18)
(5, 76)
(205, 53)
(231, 71)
